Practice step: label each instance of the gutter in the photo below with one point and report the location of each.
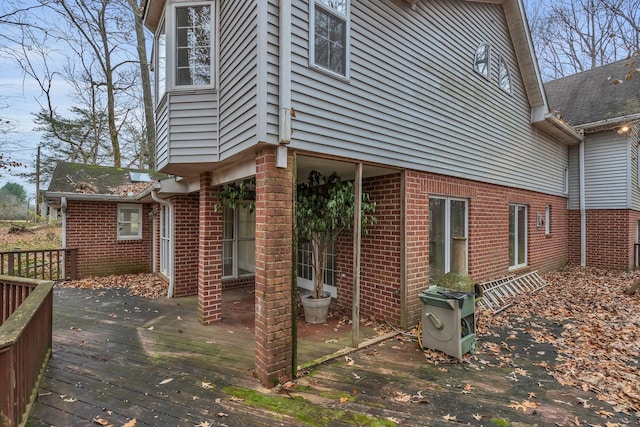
(611, 122)
(284, 82)
(154, 196)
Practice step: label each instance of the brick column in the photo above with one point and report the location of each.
(186, 237)
(416, 246)
(274, 244)
(209, 254)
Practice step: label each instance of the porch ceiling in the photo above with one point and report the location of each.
(346, 170)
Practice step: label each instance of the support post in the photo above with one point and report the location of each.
(357, 242)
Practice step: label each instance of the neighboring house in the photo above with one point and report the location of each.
(604, 103)
(434, 108)
(101, 217)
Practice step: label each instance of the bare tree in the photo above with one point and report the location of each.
(574, 36)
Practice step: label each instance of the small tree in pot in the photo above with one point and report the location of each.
(325, 208)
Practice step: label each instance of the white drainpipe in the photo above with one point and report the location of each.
(284, 82)
(63, 209)
(155, 197)
(583, 213)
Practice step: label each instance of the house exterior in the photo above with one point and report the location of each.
(604, 186)
(448, 131)
(112, 230)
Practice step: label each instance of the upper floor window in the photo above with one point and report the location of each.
(329, 35)
(504, 78)
(184, 47)
(129, 222)
(483, 59)
(193, 27)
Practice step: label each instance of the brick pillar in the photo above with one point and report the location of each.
(274, 242)
(209, 254)
(186, 237)
(416, 246)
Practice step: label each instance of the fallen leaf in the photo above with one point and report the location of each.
(349, 360)
(131, 423)
(449, 417)
(236, 399)
(204, 424)
(100, 421)
(206, 385)
(344, 399)
(477, 417)
(222, 414)
(168, 380)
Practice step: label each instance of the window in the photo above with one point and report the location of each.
(129, 222)
(238, 242)
(305, 263)
(160, 68)
(193, 27)
(547, 220)
(482, 60)
(165, 240)
(329, 48)
(517, 235)
(504, 78)
(566, 180)
(447, 227)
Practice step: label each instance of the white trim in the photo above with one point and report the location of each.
(347, 38)
(170, 31)
(448, 248)
(129, 206)
(475, 62)
(502, 63)
(513, 263)
(547, 220)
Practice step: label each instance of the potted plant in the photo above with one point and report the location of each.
(325, 208)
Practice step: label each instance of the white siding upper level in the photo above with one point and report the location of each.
(414, 100)
(608, 172)
(411, 97)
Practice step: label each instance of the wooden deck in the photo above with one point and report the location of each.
(117, 357)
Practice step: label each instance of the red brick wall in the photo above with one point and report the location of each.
(488, 249)
(380, 254)
(186, 234)
(209, 253)
(274, 242)
(611, 235)
(91, 227)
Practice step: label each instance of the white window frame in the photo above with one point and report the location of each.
(160, 60)
(235, 240)
(169, 22)
(504, 67)
(566, 180)
(166, 225)
(513, 263)
(487, 73)
(122, 224)
(547, 220)
(448, 248)
(312, 33)
(305, 268)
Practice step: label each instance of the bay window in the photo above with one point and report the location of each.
(184, 54)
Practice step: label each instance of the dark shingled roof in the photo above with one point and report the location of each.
(93, 179)
(602, 93)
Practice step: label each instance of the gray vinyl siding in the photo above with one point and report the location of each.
(192, 127)
(574, 178)
(414, 101)
(271, 129)
(162, 136)
(634, 139)
(238, 76)
(606, 163)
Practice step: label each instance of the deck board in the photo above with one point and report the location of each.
(112, 351)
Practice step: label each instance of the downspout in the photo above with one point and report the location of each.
(63, 209)
(155, 197)
(284, 83)
(583, 213)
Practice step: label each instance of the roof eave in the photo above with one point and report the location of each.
(558, 129)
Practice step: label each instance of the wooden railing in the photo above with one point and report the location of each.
(43, 264)
(25, 344)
